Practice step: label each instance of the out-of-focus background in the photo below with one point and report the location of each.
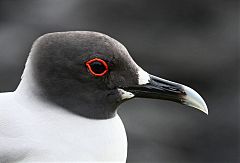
(191, 42)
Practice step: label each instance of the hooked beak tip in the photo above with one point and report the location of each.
(193, 99)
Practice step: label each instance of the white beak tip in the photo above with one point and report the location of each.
(194, 100)
(203, 109)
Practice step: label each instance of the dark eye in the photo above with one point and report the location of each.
(97, 67)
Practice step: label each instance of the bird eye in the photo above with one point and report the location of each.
(97, 67)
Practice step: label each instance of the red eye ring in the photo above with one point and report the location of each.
(88, 64)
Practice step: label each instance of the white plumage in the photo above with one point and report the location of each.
(32, 130)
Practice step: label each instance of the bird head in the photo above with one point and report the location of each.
(91, 74)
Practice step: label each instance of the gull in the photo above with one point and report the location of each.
(65, 107)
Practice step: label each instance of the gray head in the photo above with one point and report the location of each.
(91, 74)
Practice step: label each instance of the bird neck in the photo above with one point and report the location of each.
(28, 86)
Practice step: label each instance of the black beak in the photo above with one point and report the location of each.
(158, 88)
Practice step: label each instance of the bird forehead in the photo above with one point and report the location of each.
(80, 42)
(75, 37)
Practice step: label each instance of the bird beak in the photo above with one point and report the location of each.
(158, 88)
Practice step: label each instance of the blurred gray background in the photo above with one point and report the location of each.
(191, 42)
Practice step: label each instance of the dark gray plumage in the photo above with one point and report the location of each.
(58, 62)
